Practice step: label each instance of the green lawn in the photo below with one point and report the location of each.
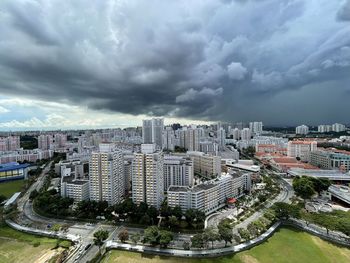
(16, 246)
(285, 246)
(9, 188)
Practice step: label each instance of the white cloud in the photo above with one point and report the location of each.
(3, 110)
(192, 95)
(236, 71)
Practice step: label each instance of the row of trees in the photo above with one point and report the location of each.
(210, 234)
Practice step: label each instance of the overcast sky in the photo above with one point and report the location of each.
(89, 64)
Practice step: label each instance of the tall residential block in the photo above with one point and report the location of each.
(178, 170)
(106, 175)
(147, 176)
(152, 131)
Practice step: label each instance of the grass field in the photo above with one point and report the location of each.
(285, 246)
(20, 247)
(9, 188)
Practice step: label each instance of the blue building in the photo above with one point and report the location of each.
(13, 171)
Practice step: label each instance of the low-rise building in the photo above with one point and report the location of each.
(209, 196)
(330, 160)
(75, 189)
(13, 171)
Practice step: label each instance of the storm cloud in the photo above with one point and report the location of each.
(205, 59)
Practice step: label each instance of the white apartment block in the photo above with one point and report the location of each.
(10, 143)
(256, 127)
(152, 131)
(337, 127)
(302, 129)
(75, 189)
(169, 139)
(221, 136)
(209, 147)
(178, 171)
(206, 165)
(45, 141)
(324, 128)
(210, 196)
(25, 155)
(106, 175)
(301, 149)
(190, 137)
(147, 176)
(246, 134)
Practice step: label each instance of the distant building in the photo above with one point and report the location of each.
(169, 139)
(256, 127)
(324, 128)
(45, 142)
(337, 127)
(246, 134)
(302, 129)
(10, 143)
(152, 131)
(301, 149)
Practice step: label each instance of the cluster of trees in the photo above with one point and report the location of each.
(210, 234)
(336, 220)
(172, 218)
(306, 187)
(91, 209)
(284, 211)
(28, 142)
(154, 236)
(51, 203)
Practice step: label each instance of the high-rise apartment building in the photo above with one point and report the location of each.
(246, 134)
(169, 139)
(206, 165)
(190, 137)
(148, 176)
(10, 143)
(152, 131)
(302, 129)
(45, 141)
(221, 135)
(178, 170)
(301, 149)
(106, 175)
(324, 128)
(337, 127)
(256, 127)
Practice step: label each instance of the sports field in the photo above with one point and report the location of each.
(20, 247)
(9, 188)
(285, 246)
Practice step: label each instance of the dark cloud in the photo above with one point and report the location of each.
(344, 11)
(211, 60)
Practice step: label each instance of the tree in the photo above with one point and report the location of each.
(165, 238)
(173, 221)
(237, 238)
(253, 229)
(225, 231)
(303, 187)
(198, 241)
(186, 245)
(152, 212)
(244, 233)
(320, 184)
(151, 235)
(135, 238)
(123, 235)
(176, 211)
(284, 210)
(33, 194)
(212, 235)
(99, 237)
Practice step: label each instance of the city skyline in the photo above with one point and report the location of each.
(81, 65)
